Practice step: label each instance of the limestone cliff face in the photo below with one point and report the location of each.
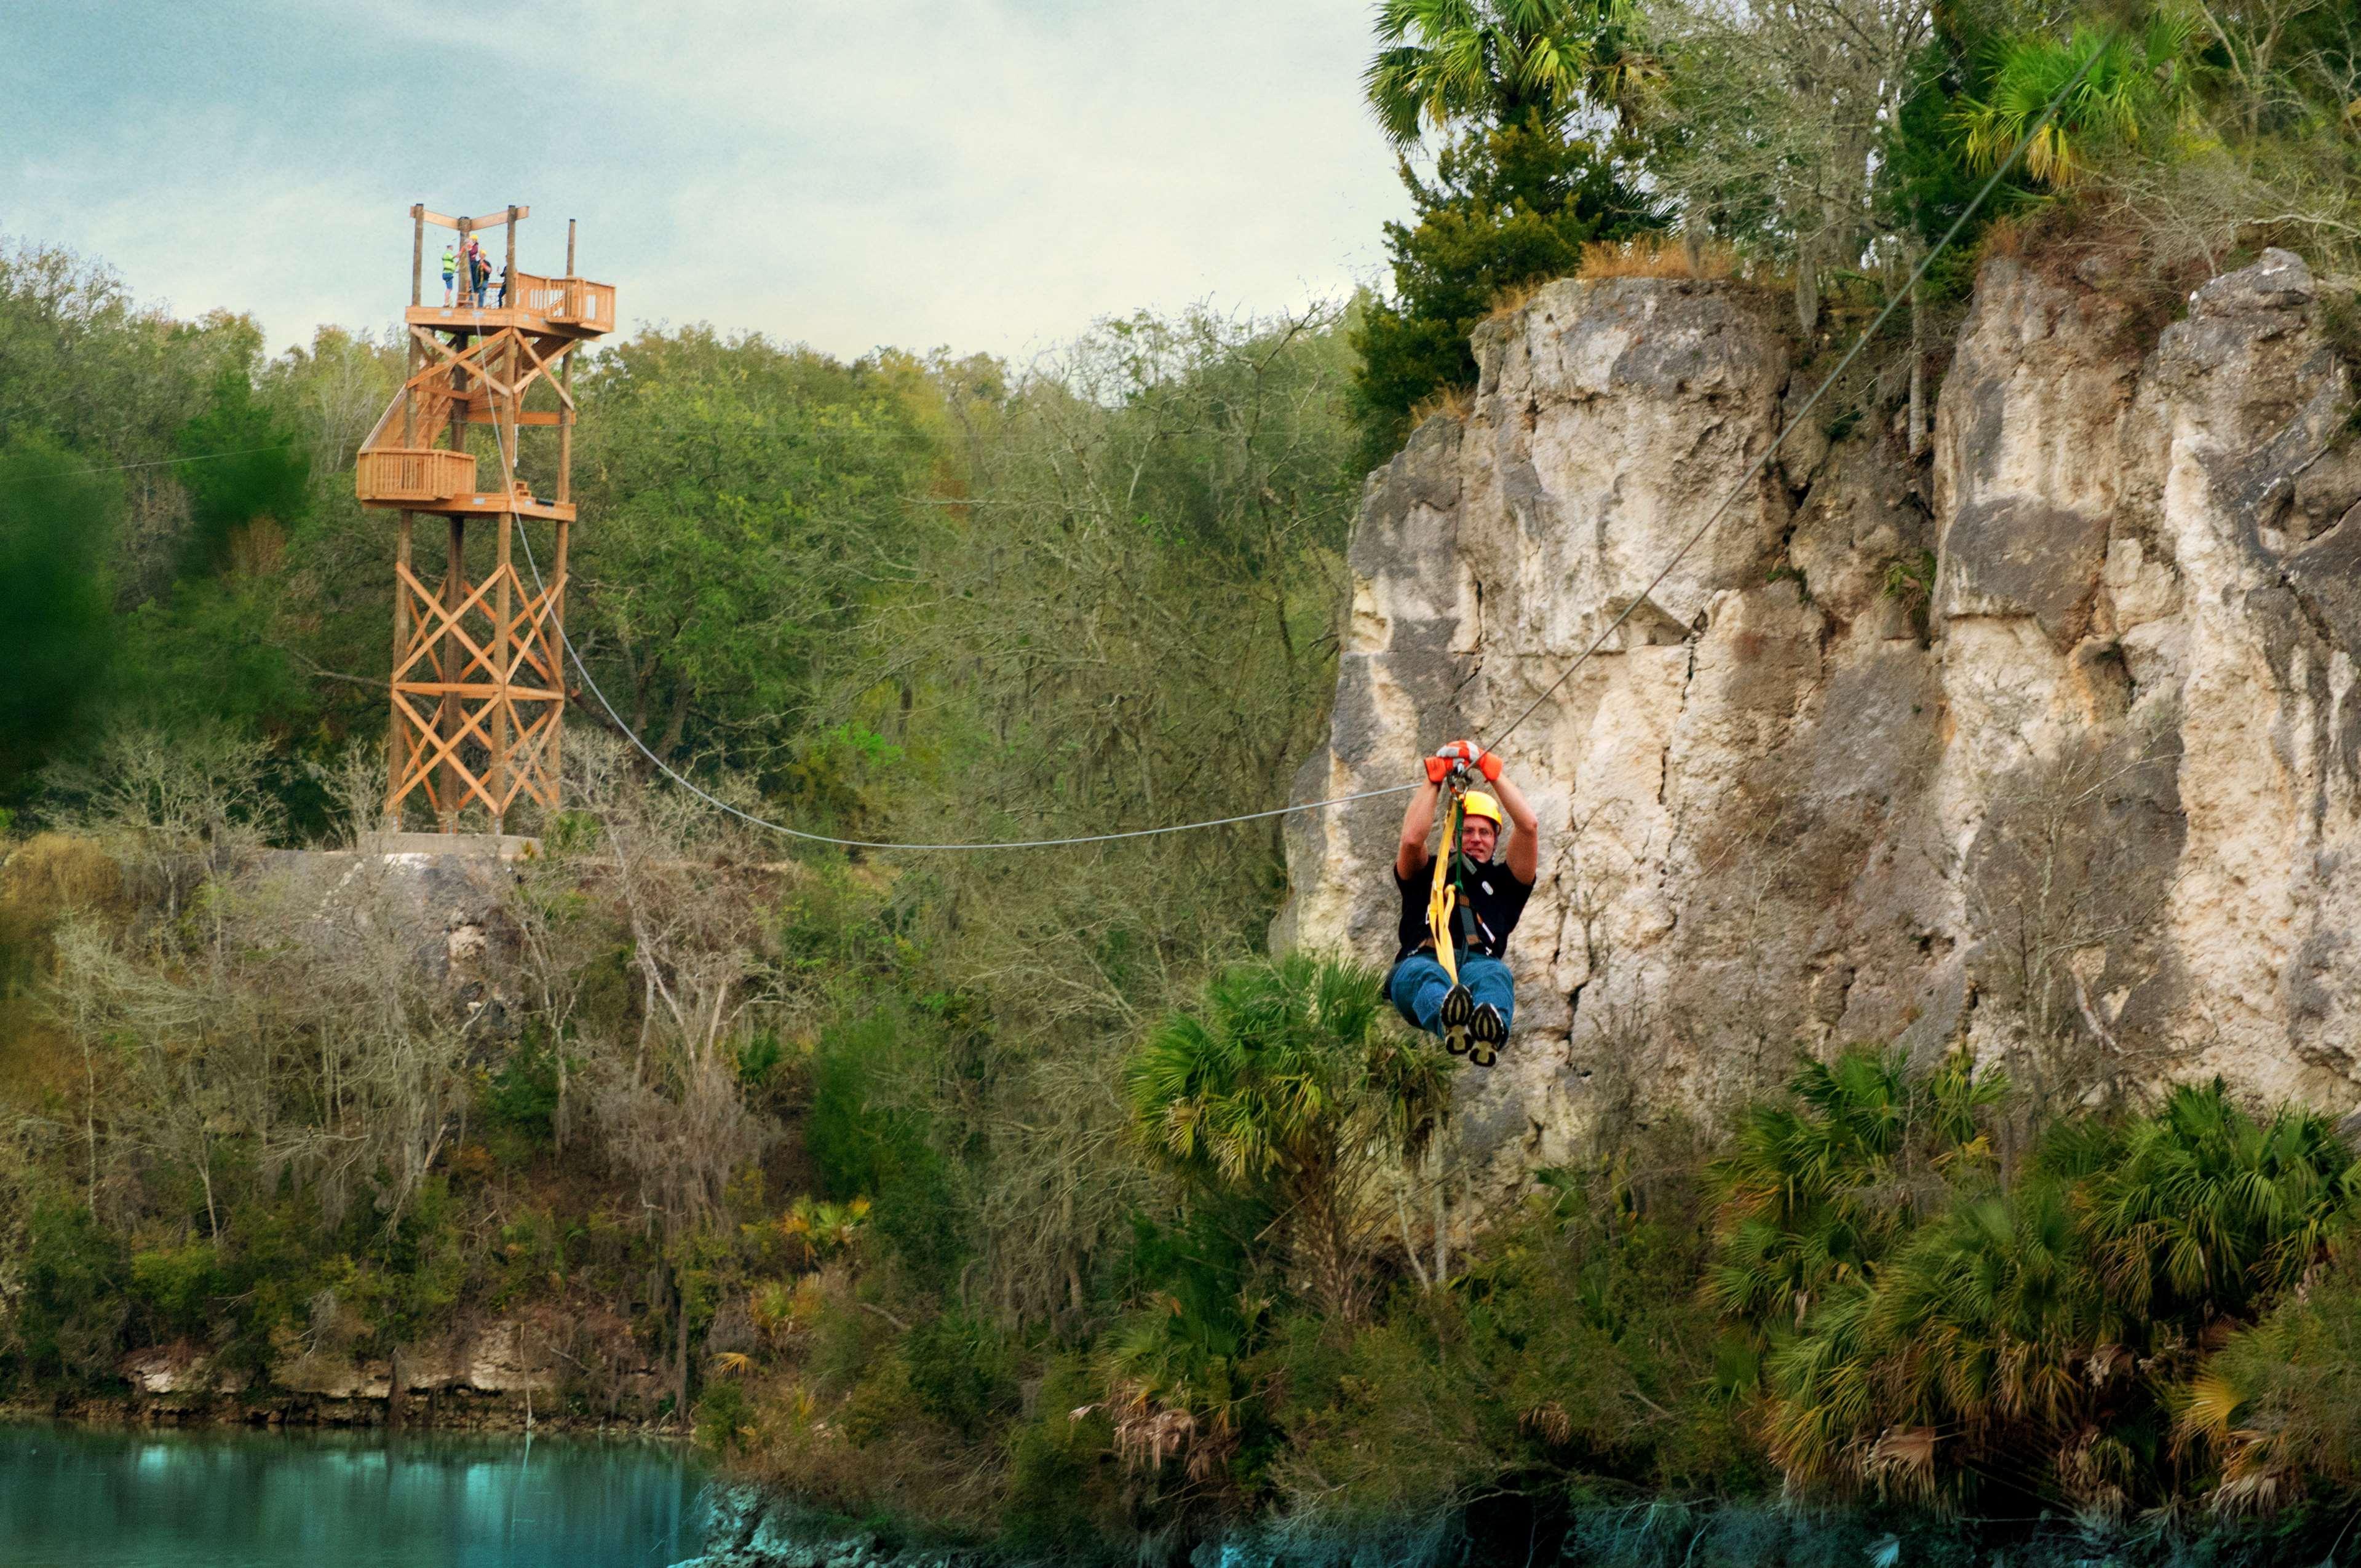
(2050, 746)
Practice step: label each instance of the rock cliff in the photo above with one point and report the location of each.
(2047, 746)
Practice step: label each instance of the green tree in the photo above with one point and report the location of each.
(1445, 63)
(1290, 1082)
(58, 522)
(1506, 207)
(1128, 621)
(2132, 85)
(752, 503)
(247, 476)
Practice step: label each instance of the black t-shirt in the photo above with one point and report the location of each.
(1490, 889)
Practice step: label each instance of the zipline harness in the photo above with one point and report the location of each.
(1447, 906)
(1447, 896)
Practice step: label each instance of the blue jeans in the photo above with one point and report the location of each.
(1419, 985)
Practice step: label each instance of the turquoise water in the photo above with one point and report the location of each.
(81, 1497)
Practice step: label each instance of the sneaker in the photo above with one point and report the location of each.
(1457, 1013)
(1487, 1028)
(1486, 1033)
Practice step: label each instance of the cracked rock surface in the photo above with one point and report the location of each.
(2045, 745)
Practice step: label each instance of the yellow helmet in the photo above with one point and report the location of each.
(1478, 804)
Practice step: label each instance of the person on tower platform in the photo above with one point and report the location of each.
(1470, 1004)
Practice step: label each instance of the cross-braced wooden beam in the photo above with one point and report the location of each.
(476, 695)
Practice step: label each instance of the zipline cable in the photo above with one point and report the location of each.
(1843, 365)
(1919, 272)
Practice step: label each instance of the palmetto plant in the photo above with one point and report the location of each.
(817, 1231)
(1443, 62)
(1292, 1084)
(2135, 85)
(1979, 1341)
(2202, 1207)
(1815, 1192)
(2027, 1336)
(1180, 1385)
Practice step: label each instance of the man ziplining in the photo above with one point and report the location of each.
(1462, 990)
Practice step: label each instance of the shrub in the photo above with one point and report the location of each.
(178, 1284)
(964, 1373)
(70, 1315)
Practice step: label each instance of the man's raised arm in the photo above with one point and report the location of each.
(1418, 821)
(1525, 855)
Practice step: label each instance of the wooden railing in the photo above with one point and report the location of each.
(576, 301)
(397, 475)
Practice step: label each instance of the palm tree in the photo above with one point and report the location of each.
(1293, 1085)
(1982, 1353)
(1442, 62)
(2025, 1337)
(1815, 1194)
(2134, 86)
(2203, 1208)
(1180, 1387)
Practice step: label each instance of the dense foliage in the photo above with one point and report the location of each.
(1830, 143)
(1020, 1193)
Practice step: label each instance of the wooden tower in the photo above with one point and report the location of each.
(479, 661)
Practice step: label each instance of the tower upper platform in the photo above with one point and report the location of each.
(577, 307)
(472, 362)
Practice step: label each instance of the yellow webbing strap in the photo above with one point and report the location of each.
(1445, 897)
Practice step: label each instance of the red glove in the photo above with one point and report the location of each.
(1463, 753)
(1475, 756)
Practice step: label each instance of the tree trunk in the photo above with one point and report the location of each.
(676, 722)
(1322, 1258)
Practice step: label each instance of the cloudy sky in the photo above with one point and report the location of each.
(982, 174)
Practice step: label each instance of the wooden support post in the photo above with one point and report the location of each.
(452, 670)
(410, 401)
(508, 279)
(503, 657)
(565, 432)
(565, 416)
(553, 619)
(417, 282)
(458, 396)
(397, 739)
